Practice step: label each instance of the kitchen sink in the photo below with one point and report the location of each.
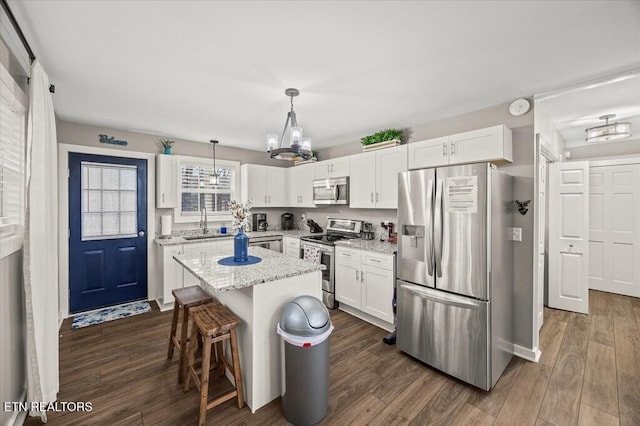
(204, 237)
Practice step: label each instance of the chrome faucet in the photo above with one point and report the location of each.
(203, 222)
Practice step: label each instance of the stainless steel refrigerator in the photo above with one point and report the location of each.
(455, 270)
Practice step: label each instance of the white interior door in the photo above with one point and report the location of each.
(542, 208)
(569, 236)
(614, 229)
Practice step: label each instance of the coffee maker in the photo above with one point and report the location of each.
(287, 221)
(259, 222)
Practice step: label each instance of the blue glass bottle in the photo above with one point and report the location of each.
(240, 246)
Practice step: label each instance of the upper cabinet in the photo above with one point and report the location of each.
(492, 144)
(265, 185)
(300, 180)
(374, 178)
(336, 167)
(166, 181)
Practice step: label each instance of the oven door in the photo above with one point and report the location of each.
(331, 191)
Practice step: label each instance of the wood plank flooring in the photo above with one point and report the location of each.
(589, 374)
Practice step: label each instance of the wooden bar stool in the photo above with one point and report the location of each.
(185, 299)
(214, 323)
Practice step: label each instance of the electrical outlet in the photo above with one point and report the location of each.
(516, 234)
(303, 216)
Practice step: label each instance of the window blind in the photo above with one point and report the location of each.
(197, 191)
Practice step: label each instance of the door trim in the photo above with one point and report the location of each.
(63, 217)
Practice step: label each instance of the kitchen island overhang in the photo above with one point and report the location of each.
(256, 293)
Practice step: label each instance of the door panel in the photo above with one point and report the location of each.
(445, 331)
(568, 236)
(461, 210)
(614, 232)
(107, 231)
(378, 292)
(389, 163)
(363, 180)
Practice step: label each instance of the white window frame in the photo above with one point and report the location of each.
(12, 231)
(178, 216)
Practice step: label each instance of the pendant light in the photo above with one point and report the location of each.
(214, 175)
(608, 131)
(292, 146)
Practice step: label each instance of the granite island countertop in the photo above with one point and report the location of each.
(217, 278)
(178, 239)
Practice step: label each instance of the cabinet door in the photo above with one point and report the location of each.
(348, 285)
(293, 175)
(323, 169)
(428, 153)
(490, 144)
(306, 177)
(377, 294)
(339, 167)
(277, 187)
(253, 184)
(362, 183)
(166, 181)
(171, 273)
(388, 164)
(291, 246)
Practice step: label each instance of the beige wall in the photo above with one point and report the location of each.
(608, 149)
(12, 345)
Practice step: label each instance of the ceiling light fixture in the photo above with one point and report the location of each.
(608, 131)
(293, 146)
(214, 174)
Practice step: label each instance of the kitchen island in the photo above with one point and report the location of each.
(256, 293)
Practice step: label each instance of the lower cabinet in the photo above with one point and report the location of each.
(364, 281)
(291, 246)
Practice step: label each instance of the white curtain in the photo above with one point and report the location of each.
(40, 255)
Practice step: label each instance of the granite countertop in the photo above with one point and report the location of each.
(178, 239)
(369, 245)
(217, 278)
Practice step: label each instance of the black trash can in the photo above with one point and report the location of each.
(305, 327)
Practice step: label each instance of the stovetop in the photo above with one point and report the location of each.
(327, 239)
(337, 229)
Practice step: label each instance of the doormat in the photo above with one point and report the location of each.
(110, 313)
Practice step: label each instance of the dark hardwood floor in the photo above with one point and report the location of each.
(589, 374)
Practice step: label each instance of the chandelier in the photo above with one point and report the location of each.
(608, 131)
(292, 146)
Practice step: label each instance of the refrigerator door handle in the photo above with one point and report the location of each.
(429, 243)
(438, 237)
(441, 297)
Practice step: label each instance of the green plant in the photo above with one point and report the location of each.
(167, 143)
(382, 136)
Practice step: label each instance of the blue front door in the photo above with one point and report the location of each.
(107, 231)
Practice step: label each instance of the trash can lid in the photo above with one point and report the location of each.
(305, 316)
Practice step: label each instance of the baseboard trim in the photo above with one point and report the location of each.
(532, 355)
(18, 417)
(366, 317)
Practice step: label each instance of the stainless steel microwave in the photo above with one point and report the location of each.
(331, 191)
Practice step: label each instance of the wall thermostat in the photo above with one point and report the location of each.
(519, 107)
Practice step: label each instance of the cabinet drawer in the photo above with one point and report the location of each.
(347, 255)
(378, 260)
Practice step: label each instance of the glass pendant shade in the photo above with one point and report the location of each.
(608, 131)
(291, 146)
(272, 142)
(296, 135)
(306, 143)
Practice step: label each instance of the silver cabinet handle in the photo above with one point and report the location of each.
(377, 197)
(163, 197)
(269, 199)
(439, 226)
(361, 276)
(453, 148)
(357, 275)
(444, 149)
(328, 169)
(331, 168)
(374, 260)
(372, 198)
(265, 199)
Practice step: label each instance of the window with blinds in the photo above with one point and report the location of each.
(197, 192)
(109, 201)
(12, 158)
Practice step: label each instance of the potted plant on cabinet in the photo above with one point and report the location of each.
(167, 144)
(383, 139)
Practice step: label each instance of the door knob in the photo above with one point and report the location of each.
(141, 234)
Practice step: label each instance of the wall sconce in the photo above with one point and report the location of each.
(522, 206)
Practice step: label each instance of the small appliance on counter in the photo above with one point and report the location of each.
(389, 227)
(314, 228)
(367, 231)
(259, 222)
(286, 221)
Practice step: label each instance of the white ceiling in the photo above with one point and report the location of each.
(203, 69)
(577, 108)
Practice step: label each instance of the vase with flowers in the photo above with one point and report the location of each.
(167, 144)
(240, 213)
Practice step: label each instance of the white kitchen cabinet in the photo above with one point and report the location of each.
(265, 185)
(300, 179)
(291, 246)
(166, 181)
(492, 144)
(336, 167)
(374, 178)
(364, 281)
(171, 274)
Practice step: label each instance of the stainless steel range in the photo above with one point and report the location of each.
(324, 247)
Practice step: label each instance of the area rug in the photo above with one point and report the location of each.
(110, 313)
